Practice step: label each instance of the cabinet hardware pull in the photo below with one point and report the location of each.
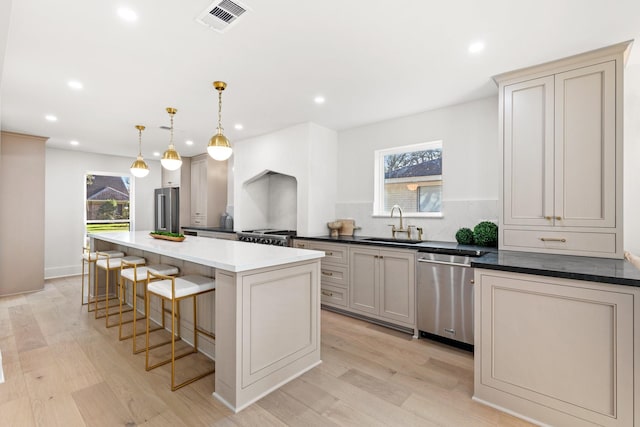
(451, 331)
(328, 253)
(548, 218)
(553, 239)
(327, 294)
(559, 218)
(326, 273)
(472, 281)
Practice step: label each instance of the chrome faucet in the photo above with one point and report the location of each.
(395, 230)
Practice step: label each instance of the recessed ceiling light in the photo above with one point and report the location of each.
(189, 142)
(51, 118)
(238, 126)
(476, 47)
(74, 142)
(127, 14)
(157, 154)
(319, 99)
(74, 84)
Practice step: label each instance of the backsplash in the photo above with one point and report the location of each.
(456, 214)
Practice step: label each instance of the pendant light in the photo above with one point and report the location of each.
(219, 147)
(171, 159)
(139, 168)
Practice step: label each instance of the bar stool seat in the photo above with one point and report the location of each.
(111, 264)
(89, 258)
(175, 289)
(134, 274)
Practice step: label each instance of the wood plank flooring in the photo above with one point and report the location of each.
(64, 368)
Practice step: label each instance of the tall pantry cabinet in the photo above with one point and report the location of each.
(561, 152)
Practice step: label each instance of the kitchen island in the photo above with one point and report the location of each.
(265, 312)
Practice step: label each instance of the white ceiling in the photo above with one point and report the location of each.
(372, 60)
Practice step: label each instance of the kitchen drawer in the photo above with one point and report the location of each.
(301, 244)
(338, 275)
(333, 295)
(572, 242)
(335, 254)
(198, 220)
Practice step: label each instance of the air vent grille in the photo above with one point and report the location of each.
(221, 14)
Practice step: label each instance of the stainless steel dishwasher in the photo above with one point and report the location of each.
(445, 297)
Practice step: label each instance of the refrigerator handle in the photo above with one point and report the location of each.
(160, 212)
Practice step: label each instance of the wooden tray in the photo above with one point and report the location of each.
(171, 238)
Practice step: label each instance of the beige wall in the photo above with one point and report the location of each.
(22, 213)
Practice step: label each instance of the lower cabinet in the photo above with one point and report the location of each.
(382, 284)
(367, 281)
(557, 351)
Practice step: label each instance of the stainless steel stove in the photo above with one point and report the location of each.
(268, 236)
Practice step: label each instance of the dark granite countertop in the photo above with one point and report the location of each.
(424, 246)
(214, 229)
(602, 270)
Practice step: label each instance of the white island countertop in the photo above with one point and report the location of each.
(230, 255)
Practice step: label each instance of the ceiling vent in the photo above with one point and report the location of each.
(221, 14)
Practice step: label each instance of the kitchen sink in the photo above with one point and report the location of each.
(388, 240)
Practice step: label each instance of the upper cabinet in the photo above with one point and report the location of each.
(208, 191)
(561, 151)
(171, 178)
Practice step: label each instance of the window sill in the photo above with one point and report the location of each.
(410, 215)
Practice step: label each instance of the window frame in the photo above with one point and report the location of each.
(131, 219)
(378, 185)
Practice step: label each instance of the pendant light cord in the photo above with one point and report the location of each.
(220, 112)
(140, 142)
(171, 134)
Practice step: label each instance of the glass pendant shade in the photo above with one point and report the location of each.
(219, 147)
(171, 159)
(139, 168)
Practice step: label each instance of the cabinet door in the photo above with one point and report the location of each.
(397, 286)
(528, 152)
(585, 142)
(171, 178)
(555, 343)
(199, 188)
(363, 283)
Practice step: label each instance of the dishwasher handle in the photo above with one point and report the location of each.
(432, 261)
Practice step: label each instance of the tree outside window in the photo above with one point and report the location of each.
(107, 203)
(411, 177)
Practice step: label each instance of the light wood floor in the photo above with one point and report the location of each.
(63, 368)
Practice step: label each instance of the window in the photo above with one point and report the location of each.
(410, 177)
(107, 203)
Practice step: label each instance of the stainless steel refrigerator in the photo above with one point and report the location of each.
(167, 210)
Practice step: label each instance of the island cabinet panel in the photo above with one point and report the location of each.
(557, 351)
(561, 151)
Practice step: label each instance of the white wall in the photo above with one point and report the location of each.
(469, 134)
(64, 203)
(306, 152)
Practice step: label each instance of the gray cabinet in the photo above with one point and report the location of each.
(561, 143)
(382, 284)
(208, 191)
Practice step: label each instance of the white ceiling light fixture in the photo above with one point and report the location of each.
(139, 168)
(127, 14)
(74, 142)
(171, 159)
(476, 47)
(221, 14)
(156, 153)
(238, 126)
(319, 99)
(50, 118)
(219, 147)
(189, 142)
(74, 84)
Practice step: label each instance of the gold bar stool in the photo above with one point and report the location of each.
(132, 273)
(89, 258)
(175, 289)
(109, 264)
